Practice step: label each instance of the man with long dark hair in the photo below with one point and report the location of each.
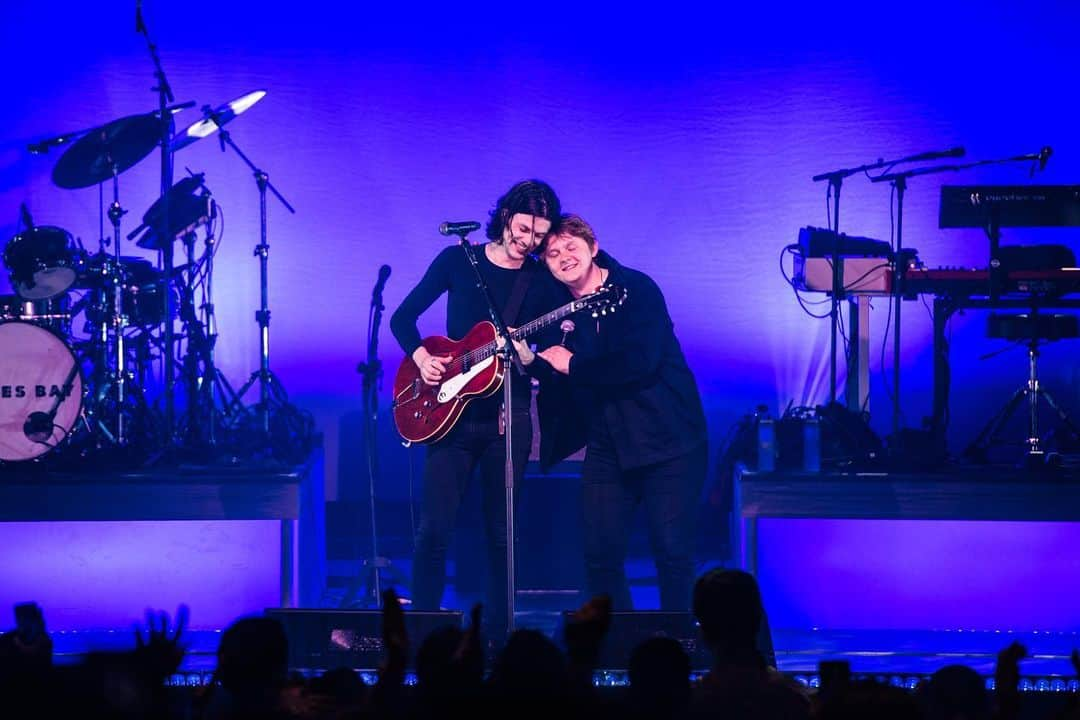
(518, 224)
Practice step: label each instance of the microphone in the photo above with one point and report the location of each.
(458, 228)
(140, 26)
(1040, 159)
(1044, 155)
(384, 274)
(937, 155)
(567, 326)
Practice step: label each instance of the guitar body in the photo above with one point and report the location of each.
(425, 413)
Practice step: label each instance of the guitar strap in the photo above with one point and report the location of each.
(517, 295)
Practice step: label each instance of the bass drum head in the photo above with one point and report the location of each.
(35, 366)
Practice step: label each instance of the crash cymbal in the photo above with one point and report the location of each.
(120, 144)
(214, 119)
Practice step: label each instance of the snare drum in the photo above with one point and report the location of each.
(42, 262)
(41, 391)
(54, 313)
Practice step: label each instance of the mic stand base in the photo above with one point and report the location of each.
(375, 575)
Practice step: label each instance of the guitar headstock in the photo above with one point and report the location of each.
(603, 301)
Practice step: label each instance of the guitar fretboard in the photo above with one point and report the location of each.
(486, 350)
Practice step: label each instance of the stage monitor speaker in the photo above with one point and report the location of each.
(328, 639)
(630, 628)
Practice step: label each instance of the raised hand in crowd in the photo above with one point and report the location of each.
(470, 653)
(1007, 682)
(585, 631)
(158, 653)
(584, 635)
(388, 695)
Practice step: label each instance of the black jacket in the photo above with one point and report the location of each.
(628, 380)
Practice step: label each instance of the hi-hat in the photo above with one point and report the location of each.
(214, 119)
(114, 146)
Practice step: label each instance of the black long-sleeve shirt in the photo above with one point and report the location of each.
(451, 273)
(629, 381)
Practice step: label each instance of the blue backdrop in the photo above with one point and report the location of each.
(686, 134)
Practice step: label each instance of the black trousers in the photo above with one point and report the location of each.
(669, 493)
(473, 448)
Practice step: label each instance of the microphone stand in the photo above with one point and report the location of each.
(40, 426)
(899, 181)
(509, 360)
(371, 371)
(165, 96)
(265, 377)
(836, 181)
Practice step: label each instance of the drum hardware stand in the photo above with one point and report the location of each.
(269, 385)
(165, 96)
(116, 376)
(204, 381)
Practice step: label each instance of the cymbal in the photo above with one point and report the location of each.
(214, 119)
(120, 144)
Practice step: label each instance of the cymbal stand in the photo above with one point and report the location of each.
(270, 388)
(116, 321)
(114, 375)
(165, 96)
(205, 382)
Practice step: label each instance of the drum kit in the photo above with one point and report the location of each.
(87, 339)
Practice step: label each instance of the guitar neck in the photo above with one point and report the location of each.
(544, 320)
(488, 349)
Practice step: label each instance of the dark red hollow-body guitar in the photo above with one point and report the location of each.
(426, 413)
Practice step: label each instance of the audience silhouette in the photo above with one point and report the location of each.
(530, 675)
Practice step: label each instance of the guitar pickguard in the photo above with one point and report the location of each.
(450, 389)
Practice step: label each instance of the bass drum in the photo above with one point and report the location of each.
(41, 391)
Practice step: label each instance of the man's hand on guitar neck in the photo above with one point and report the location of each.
(524, 352)
(431, 366)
